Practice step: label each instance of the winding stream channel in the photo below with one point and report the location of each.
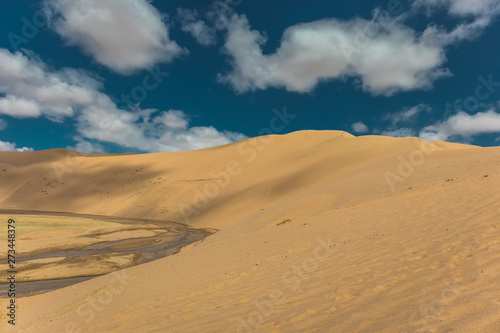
(168, 238)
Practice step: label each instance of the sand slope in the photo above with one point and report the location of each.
(319, 232)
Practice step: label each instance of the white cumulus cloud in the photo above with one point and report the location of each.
(124, 35)
(9, 146)
(464, 125)
(32, 90)
(149, 130)
(35, 90)
(385, 55)
(359, 127)
(24, 149)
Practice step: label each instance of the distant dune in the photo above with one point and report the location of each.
(21, 159)
(319, 231)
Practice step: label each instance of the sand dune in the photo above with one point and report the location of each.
(319, 231)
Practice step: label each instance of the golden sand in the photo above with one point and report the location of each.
(381, 235)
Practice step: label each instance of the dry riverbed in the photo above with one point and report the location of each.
(54, 250)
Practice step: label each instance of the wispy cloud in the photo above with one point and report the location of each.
(406, 114)
(192, 24)
(475, 16)
(400, 132)
(478, 8)
(84, 146)
(3, 124)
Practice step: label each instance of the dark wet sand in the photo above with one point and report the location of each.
(169, 238)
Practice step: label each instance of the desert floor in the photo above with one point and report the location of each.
(317, 231)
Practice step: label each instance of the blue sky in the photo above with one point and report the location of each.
(157, 76)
